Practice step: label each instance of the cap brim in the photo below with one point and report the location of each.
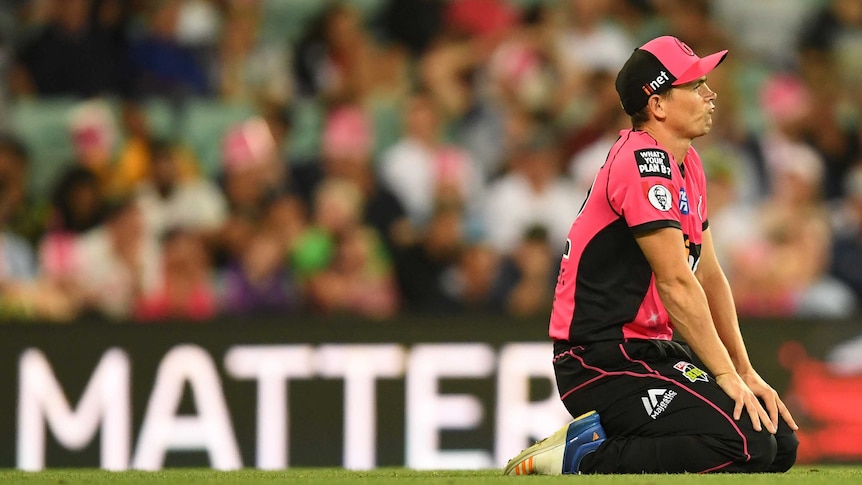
(701, 68)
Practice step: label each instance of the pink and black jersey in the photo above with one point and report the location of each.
(606, 288)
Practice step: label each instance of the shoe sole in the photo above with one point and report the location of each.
(524, 463)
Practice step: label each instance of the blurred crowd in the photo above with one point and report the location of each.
(452, 144)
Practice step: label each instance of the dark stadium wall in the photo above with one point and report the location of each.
(428, 394)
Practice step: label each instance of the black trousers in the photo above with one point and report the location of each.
(662, 412)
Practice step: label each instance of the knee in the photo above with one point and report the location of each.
(785, 457)
(762, 449)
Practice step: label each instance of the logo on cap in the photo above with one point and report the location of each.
(685, 48)
(653, 86)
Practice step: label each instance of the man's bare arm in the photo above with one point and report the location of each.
(688, 307)
(724, 316)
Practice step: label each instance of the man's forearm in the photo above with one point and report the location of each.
(687, 305)
(723, 310)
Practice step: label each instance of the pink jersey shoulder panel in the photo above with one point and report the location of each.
(641, 184)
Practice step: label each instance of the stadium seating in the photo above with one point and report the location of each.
(42, 125)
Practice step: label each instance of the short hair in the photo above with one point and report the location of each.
(641, 117)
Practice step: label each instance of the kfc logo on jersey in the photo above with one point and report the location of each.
(683, 202)
(653, 163)
(660, 197)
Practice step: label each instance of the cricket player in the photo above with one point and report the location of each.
(639, 264)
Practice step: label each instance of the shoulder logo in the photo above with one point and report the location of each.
(683, 202)
(657, 400)
(660, 197)
(653, 163)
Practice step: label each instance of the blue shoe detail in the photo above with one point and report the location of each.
(584, 436)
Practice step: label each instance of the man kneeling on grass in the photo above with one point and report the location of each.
(639, 262)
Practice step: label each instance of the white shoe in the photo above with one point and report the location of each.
(562, 452)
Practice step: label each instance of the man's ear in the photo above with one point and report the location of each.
(656, 105)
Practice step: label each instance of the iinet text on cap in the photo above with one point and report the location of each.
(654, 85)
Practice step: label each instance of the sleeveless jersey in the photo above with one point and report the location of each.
(605, 288)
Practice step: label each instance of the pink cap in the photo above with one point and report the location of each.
(92, 125)
(680, 60)
(657, 66)
(785, 97)
(348, 130)
(247, 145)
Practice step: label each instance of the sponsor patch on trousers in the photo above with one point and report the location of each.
(691, 372)
(657, 400)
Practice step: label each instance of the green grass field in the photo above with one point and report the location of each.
(826, 475)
